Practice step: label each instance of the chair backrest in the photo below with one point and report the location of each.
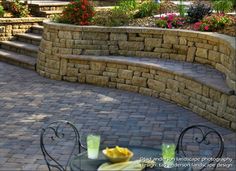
(59, 137)
(204, 137)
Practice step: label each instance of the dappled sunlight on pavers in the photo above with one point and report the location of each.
(28, 102)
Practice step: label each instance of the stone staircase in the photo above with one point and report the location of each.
(43, 8)
(49, 8)
(22, 50)
(46, 8)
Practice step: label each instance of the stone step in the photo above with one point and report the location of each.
(203, 74)
(48, 14)
(17, 59)
(96, 2)
(47, 8)
(31, 38)
(187, 4)
(20, 47)
(49, 3)
(37, 29)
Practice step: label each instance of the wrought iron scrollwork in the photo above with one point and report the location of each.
(203, 137)
(57, 132)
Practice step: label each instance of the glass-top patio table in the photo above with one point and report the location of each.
(82, 163)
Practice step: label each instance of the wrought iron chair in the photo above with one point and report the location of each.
(60, 134)
(204, 136)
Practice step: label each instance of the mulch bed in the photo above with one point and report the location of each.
(150, 22)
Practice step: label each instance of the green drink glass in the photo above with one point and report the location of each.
(93, 143)
(168, 155)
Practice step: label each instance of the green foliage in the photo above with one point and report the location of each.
(2, 12)
(146, 9)
(19, 9)
(127, 5)
(197, 11)
(114, 17)
(181, 9)
(79, 12)
(58, 18)
(119, 15)
(161, 23)
(223, 6)
(234, 3)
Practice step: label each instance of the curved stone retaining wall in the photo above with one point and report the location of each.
(206, 48)
(59, 58)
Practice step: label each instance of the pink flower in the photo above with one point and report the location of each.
(171, 17)
(179, 23)
(197, 25)
(169, 25)
(163, 18)
(83, 7)
(206, 28)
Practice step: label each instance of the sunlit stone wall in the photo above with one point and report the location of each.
(12, 26)
(78, 54)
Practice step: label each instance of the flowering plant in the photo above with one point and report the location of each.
(79, 12)
(2, 12)
(170, 21)
(19, 9)
(214, 22)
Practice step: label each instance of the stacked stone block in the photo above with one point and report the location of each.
(73, 53)
(217, 51)
(48, 9)
(9, 27)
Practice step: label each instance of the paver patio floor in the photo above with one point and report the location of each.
(28, 102)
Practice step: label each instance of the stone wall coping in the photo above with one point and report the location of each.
(125, 61)
(216, 37)
(21, 20)
(51, 4)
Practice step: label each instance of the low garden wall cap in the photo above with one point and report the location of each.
(148, 30)
(20, 20)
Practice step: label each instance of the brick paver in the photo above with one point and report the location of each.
(28, 102)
